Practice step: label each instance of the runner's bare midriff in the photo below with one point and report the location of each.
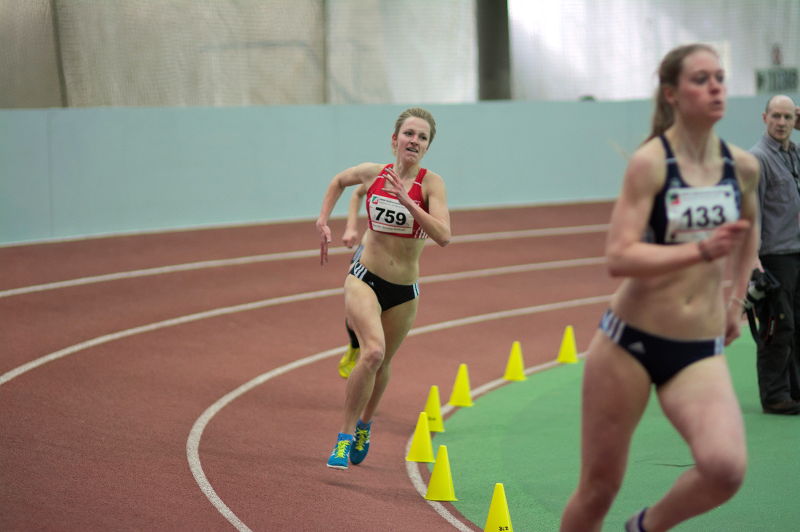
(683, 306)
(393, 259)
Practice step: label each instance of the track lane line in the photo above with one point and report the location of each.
(304, 296)
(286, 255)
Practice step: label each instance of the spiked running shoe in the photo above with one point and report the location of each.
(348, 361)
(361, 443)
(341, 452)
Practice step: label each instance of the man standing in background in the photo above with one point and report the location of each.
(778, 361)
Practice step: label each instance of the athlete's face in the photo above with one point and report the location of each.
(701, 91)
(780, 118)
(412, 140)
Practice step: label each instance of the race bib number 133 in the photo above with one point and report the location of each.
(693, 213)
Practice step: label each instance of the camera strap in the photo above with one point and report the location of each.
(751, 321)
(762, 332)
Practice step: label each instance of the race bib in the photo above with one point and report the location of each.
(387, 215)
(693, 213)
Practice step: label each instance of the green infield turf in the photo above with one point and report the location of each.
(525, 435)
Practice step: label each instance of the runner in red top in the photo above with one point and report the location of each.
(389, 218)
(387, 215)
(405, 205)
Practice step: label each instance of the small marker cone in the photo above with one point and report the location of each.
(498, 519)
(421, 449)
(568, 353)
(515, 368)
(461, 394)
(440, 485)
(433, 408)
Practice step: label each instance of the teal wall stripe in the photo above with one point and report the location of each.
(81, 172)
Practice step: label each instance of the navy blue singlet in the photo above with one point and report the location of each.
(658, 224)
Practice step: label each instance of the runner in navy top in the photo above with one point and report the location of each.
(673, 220)
(686, 212)
(405, 205)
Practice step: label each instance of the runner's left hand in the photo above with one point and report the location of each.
(394, 185)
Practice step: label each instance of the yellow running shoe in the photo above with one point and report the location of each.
(348, 361)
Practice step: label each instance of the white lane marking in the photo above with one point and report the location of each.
(529, 233)
(33, 364)
(516, 268)
(287, 255)
(196, 434)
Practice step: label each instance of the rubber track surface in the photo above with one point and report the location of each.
(96, 438)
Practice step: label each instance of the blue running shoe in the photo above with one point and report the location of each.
(634, 524)
(341, 452)
(361, 443)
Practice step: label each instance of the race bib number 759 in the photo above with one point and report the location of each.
(388, 215)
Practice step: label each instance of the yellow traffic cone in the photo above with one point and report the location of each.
(568, 353)
(421, 449)
(515, 368)
(498, 519)
(461, 394)
(440, 485)
(433, 408)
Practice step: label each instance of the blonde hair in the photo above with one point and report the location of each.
(417, 112)
(669, 73)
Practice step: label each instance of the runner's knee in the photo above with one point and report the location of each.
(599, 490)
(723, 470)
(372, 357)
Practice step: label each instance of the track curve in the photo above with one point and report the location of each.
(98, 437)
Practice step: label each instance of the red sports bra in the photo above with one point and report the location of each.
(387, 215)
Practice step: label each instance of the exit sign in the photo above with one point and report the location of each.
(776, 79)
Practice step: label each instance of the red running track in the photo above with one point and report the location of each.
(102, 383)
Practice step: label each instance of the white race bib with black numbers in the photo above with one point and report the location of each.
(387, 215)
(693, 213)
